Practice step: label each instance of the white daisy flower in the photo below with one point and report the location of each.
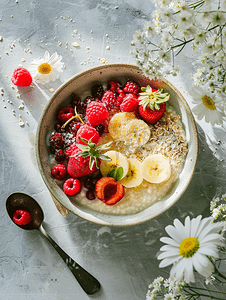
(46, 69)
(208, 105)
(189, 247)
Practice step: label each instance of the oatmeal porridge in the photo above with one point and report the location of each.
(121, 179)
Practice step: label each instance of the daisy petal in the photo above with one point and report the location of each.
(169, 248)
(208, 251)
(168, 261)
(173, 233)
(168, 254)
(194, 225)
(188, 270)
(204, 271)
(46, 56)
(169, 241)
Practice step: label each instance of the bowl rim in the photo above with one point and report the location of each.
(96, 220)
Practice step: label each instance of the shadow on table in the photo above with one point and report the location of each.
(36, 97)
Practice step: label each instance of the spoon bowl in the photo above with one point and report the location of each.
(21, 201)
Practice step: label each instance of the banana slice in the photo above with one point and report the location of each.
(134, 176)
(156, 168)
(137, 133)
(118, 122)
(117, 160)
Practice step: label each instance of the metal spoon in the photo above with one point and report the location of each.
(25, 202)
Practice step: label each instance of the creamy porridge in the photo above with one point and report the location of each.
(165, 137)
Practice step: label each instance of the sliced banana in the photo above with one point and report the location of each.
(134, 176)
(156, 168)
(137, 133)
(118, 122)
(117, 160)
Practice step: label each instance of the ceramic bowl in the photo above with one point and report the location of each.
(81, 83)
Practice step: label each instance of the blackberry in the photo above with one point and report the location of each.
(87, 100)
(59, 155)
(80, 108)
(97, 90)
(56, 140)
(75, 100)
(74, 126)
(57, 127)
(100, 129)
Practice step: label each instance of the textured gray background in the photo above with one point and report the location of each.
(123, 259)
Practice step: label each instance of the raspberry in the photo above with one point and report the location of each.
(68, 152)
(97, 90)
(22, 217)
(21, 77)
(71, 186)
(65, 114)
(131, 87)
(120, 97)
(113, 85)
(96, 113)
(129, 103)
(56, 140)
(59, 155)
(109, 99)
(87, 133)
(59, 171)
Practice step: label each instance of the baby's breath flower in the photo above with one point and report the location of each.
(217, 18)
(173, 25)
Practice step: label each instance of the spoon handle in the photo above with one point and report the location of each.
(89, 284)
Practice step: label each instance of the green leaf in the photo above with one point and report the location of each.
(119, 173)
(111, 173)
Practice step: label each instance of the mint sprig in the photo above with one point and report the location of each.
(116, 173)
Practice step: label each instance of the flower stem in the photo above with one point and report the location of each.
(208, 290)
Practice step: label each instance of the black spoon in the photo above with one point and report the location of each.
(22, 201)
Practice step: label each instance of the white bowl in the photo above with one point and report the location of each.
(81, 83)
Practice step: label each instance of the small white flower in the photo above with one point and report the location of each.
(169, 296)
(46, 69)
(210, 279)
(217, 18)
(189, 246)
(185, 19)
(208, 105)
(200, 36)
(166, 15)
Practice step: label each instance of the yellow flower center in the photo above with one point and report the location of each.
(44, 68)
(208, 102)
(189, 246)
